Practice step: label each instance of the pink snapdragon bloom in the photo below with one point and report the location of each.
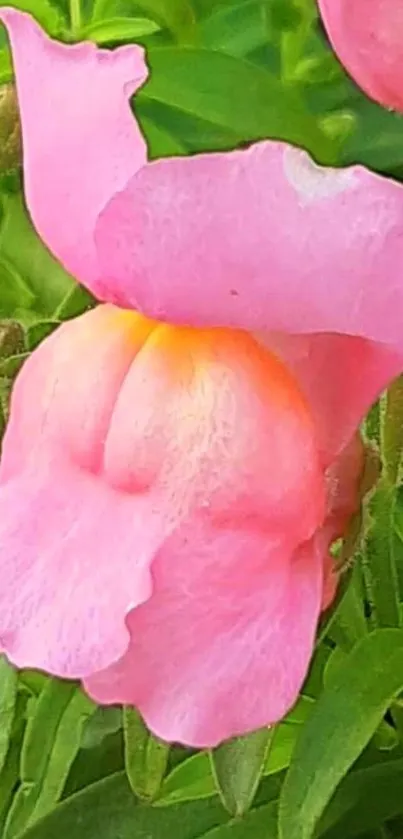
(179, 460)
(367, 35)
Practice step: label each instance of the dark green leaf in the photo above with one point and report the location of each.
(104, 721)
(344, 719)
(257, 824)
(230, 93)
(108, 810)
(93, 764)
(364, 800)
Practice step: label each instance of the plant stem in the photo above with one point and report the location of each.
(75, 17)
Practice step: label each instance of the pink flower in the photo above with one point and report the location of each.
(367, 35)
(172, 478)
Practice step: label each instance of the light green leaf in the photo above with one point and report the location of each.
(51, 742)
(343, 721)
(108, 810)
(15, 293)
(8, 699)
(119, 29)
(189, 781)
(31, 264)
(238, 767)
(176, 15)
(236, 29)
(49, 15)
(146, 757)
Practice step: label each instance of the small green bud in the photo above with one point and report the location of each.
(12, 338)
(10, 130)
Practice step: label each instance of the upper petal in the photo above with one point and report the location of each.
(367, 35)
(81, 144)
(261, 239)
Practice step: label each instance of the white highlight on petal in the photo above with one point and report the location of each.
(311, 181)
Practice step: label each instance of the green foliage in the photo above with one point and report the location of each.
(238, 767)
(146, 757)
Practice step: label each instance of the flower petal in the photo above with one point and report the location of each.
(341, 376)
(261, 239)
(127, 437)
(208, 658)
(62, 603)
(223, 646)
(81, 143)
(367, 35)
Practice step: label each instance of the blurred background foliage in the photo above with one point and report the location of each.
(223, 74)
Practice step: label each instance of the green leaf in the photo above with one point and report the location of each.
(8, 699)
(15, 293)
(176, 15)
(257, 824)
(103, 722)
(108, 810)
(76, 301)
(238, 768)
(95, 763)
(349, 624)
(43, 280)
(47, 14)
(159, 141)
(146, 757)
(189, 781)
(343, 721)
(349, 813)
(9, 776)
(392, 429)
(379, 557)
(232, 94)
(236, 29)
(50, 745)
(119, 29)
(193, 778)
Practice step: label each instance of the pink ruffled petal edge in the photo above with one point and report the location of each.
(209, 660)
